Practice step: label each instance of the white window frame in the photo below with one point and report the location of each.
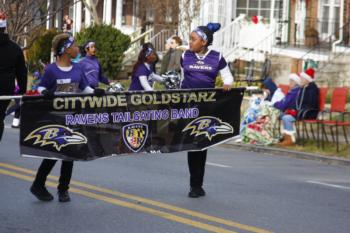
(272, 9)
(331, 17)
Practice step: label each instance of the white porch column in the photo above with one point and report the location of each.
(272, 10)
(107, 11)
(87, 18)
(59, 16)
(135, 14)
(229, 12)
(204, 13)
(216, 11)
(49, 11)
(77, 17)
(119, 14)
(285, 20)
(234, 9)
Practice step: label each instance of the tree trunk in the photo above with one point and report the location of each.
(91, 5)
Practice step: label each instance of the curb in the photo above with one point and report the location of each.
(289, 153)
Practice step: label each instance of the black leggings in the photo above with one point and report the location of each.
(196, 165)
(3, 107)
(46, 167)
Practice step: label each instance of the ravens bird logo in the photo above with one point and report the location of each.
(56, 135)
(208, 126)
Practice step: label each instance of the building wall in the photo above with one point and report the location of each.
(311, 13)
(292, 27)
(128, 11)
(310, 21)
(347, 21)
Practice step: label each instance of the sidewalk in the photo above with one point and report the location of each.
(287, 152)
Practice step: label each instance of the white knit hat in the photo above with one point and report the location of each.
(295, 78)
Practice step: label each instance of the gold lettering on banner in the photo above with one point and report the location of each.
(185, 95)
(110, 101)
(175, 98)
(192, 98)
(122, 100)
(58, 103)
(73, 100)
(155, 99)
(211, 97)
(147, 99)
(135, 99)
(166, 98)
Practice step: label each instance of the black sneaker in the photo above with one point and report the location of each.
(196, 192)
(63, 196)
(41, 193)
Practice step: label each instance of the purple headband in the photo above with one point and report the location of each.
(201, 34)
(90, 44)
(67, 44)
(149, 51)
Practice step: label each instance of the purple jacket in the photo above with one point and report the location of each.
(288, 102)
(92, 70)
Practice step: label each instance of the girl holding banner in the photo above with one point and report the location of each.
(143, 75)
(67, 77)
(200, 66)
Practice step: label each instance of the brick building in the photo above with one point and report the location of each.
(126, 15)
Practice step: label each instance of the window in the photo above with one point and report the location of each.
(253, 3)
(242, 4)
(150, 14)
(329, 17)
(169, 15)
(266, 4)
(258, 7)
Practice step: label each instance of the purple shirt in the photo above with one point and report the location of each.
(92, 70)
(201, 72)
(55, 79)
(141, 70)
(289, 100)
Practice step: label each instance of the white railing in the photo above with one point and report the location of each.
(159, 39)
(255, 41)
(228, 37)
(136, 33)
(136, 43)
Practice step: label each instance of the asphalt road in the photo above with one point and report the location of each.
(246, 192)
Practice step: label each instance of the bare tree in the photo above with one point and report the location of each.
(26, 17)
(91, 5)
(189, 11)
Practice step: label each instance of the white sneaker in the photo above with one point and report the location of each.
(15, 123)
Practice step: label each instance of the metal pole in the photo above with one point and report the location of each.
(10, 97)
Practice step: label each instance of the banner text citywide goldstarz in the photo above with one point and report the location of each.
(109, 101)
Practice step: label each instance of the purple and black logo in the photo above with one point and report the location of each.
(56, 135)
(208, 126)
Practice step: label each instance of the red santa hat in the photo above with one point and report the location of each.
(2, 20)
(309, 75)
(295, 78)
